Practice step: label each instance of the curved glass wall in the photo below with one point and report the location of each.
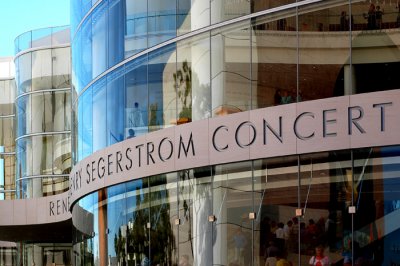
(232, 214)
(245, 213)
(45, 37)
(264, 61)
(7, 139)
(43, 103)
(116, 29)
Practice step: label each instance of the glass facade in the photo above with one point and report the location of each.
(174, 62)
(43, 104)
(164, 219)
(7, 139)
(45, 254)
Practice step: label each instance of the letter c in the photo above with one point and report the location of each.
(295, 126)
(213, 139)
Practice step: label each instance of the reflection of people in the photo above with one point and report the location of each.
(280, 259)
(398, 14)
(371, 17)
(281, 24)
(277, 97)
(319, 259)
(135, 117)
(378, 17)
(240, 243)
(131, 133)
(286, 97)
(270, 256)
(280, 236)
(344, 21)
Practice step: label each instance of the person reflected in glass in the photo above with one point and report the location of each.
(281, 259)
(344, 21)
(371, 17)
(277, 97)
(131, 133)
(378, 17)
(286, 97)
(270, 254)
(240, 243)
(319, 259)
(135, 117)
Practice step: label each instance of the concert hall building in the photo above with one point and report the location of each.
(215, 132)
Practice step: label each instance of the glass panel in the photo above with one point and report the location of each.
(32, 188)
(100, 228)
(323, 58)
(192, 15)
(85, 136)
(99, 39)
(138, 217)
(85, 55)
(115, 106)
(161, 21)
(136, 27)
(9, 175)
(117, 224)
(83, 221)
(41, 37)
(222, 10)
(162, 66)
(192, 79)
(230, 76)
(60, 35)
(76, 15)
(39, 104)
(54, 185)
(100, 114)
(41, 70)
(23, 115)
(7, 90)
(263, 5)
(48, 121)
(136, 103)
(62, 154)
(195, 205)
(86, 5)
(61, 59)
(42, 148)
(274, 59)
(375, 56)
(377, 201)
(275, 201)
(115, 31)
(7, 137)
(24, 75)
(24, 41)
(62, 110)
(24, 154)
(232, 203)
(163, 212)
(326, 193)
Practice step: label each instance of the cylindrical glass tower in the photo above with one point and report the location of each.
(43, 107)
